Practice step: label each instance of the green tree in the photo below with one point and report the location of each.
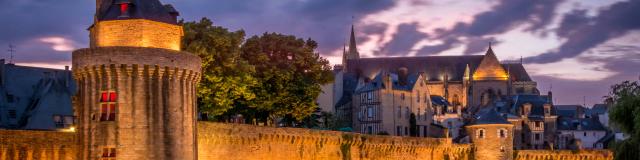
(226, 77)
(289, 73)
(625, 115)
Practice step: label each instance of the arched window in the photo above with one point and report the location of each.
(480, 133)
(502, 133)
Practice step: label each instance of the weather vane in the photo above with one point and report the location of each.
(12, 50)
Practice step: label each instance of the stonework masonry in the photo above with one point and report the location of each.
(136, 33)
(245, 142)
(155, 106)
(36, 145)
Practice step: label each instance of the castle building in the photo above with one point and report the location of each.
(136, 90)
(493, 135)
(395, 104)
(447, 115)
(534, 120)
(33, 98)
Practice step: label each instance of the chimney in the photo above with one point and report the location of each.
(66, 76)
(403, 76)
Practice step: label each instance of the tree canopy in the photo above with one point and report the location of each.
(267, 76)
(625, 115)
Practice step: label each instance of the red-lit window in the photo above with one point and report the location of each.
(108, 96)
(108, 154)
(108, 106)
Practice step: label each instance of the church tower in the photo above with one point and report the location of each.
(352, 53)
(136, 90)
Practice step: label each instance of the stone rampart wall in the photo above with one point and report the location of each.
(563, 155)
(36, 145)
(239, 142)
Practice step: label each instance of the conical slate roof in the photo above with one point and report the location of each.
(139, 9)
(491, 117)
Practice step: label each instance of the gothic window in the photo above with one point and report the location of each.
(502, 133)
(108, 105)
(108, 153)
(480, 133)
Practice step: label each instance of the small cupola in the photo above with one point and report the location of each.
(125, 7)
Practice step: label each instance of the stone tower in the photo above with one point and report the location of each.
(492, 136)
(136, 90)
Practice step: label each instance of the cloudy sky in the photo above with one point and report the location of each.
(576, 47)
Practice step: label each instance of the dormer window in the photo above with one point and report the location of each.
(125, 6)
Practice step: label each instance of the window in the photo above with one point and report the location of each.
(12, 114)
(402, 96)
(537, 136)
(502, 133)
(419, 114)
(501, 148)
(418, 96)
(369, 95)
(480, 133)
(399, 111)
(370, 112)
(108, 153)
(398, 131)
(369, 129)
(426, 98)
(10, 98)
(407, 112)
(585, 134)
(108, 106)
(537, 124)
(57, 120)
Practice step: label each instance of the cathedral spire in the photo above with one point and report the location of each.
(353, 49)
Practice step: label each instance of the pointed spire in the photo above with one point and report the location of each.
(490, 50)
(353, 50)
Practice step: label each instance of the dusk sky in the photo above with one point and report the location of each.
(580, 47)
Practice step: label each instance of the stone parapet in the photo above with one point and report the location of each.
(235, 141)
(563, 155)
(30, 145)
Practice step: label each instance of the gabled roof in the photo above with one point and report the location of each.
(517, 72)
(568, 110)
(433, 67)
(139, 9)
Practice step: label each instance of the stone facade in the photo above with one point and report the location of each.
(155, 91)
(385, 105)
(563, 155)
(493, 141)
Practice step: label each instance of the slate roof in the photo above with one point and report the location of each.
(597, 109)
(537, 103)
(567, 110)
(439, 100)
(590, 124)
(433, 66)
(517, 72)
(139, 9)
(490, 116)
(377, 83)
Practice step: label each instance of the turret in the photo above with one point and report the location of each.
(491, 136)
(136, 89)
